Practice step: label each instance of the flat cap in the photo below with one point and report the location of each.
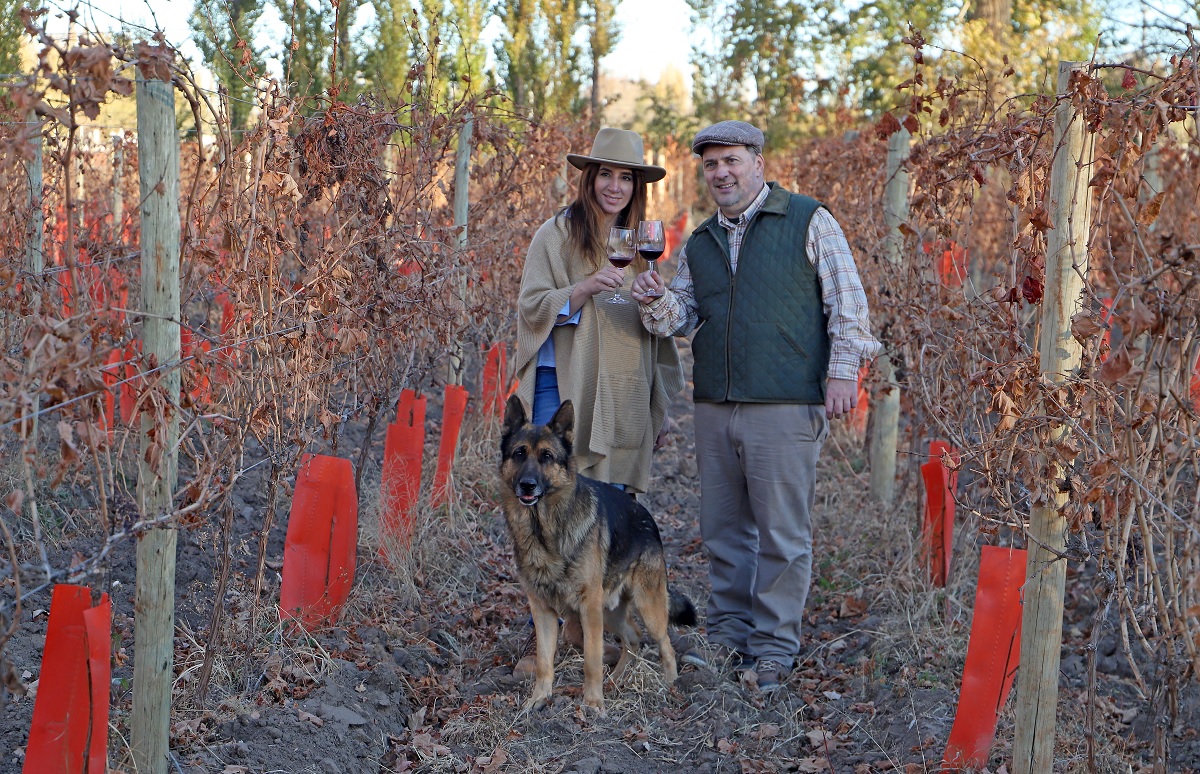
(728, 133)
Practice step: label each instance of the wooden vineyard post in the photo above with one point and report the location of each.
(887, 406)
(462, 180)
(118, 202)
(154, 605)
(34, 257)
(1045, 569)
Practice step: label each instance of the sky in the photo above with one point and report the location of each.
(654, 33)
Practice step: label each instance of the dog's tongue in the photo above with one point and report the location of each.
(528, 499)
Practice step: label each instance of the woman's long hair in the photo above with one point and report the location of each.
(584, 216)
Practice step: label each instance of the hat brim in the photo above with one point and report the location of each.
(651, 173)
(698, 148)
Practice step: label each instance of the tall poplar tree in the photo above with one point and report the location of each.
(791, 64)
(563, 83)
(12, 36)
(224, 32)
(518, 53)
(306, 47)
(600, 16)
(344, 63)
(466, 22)
(385, 63)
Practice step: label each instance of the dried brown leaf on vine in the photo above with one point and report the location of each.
(1084, 326)
(1119, 370)
(1006, 407)
(280, 184)
(1040, 219)
(14, 499)
(1141, 318)
(1031, 290)
(888, 125)
(154, 61)
(1149, 211)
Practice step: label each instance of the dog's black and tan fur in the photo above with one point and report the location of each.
(583, 548)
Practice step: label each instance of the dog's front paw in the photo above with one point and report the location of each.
(595, 702)
(540, 698)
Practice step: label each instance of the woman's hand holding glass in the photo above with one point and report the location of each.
(607, 277)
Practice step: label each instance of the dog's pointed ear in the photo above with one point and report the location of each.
(514, 415)
(562, 423)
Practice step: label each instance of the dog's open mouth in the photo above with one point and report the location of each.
(529, 499)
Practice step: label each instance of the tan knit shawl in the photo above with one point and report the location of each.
(620, 377)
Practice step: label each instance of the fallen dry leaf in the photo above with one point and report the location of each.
(766, 731)
(851, 607)
(821, 739)
(311, 718)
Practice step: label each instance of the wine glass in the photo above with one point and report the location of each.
(650, 245)
(620, 254)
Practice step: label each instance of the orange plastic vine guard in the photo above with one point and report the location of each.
(454, 405)
(858, 416)
(501, 371)
(321, 543)
(120, 288)
(69, 732)
(938, 531)
(109, 399)
(402, 454)
(993, 655)
(493, 373)
(133, 351)
(950, 262)
(1195, 388)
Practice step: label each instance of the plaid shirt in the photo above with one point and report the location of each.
(842, 293)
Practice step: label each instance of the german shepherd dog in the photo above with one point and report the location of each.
(583, 549)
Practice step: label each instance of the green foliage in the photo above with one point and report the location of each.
(600, 18)
(518, 51)
(224, 33)
(562, 19)
(465, 25)
(661, 115)
(800, 67)
(345, 56)
(455, 57)
(763, 61)
(385, 64)
(307, 48)
(543, 64)
(12, 36)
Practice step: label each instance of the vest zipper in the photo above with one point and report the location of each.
(732, 293)
(729, 310)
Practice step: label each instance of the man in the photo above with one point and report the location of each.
(771, 289)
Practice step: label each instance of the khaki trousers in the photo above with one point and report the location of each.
(757, 465)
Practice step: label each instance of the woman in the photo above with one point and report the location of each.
(573, 344)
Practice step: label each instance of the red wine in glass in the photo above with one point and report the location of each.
(620, 254)
(651, 242)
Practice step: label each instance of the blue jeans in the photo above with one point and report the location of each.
(545, 395)
(546, 400)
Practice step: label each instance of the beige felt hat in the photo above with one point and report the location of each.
(620, 148)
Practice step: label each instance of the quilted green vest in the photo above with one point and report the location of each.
(763, 336)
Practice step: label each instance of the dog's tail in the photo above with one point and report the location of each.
(680, 609)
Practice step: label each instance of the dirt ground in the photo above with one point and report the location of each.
(418, 676)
